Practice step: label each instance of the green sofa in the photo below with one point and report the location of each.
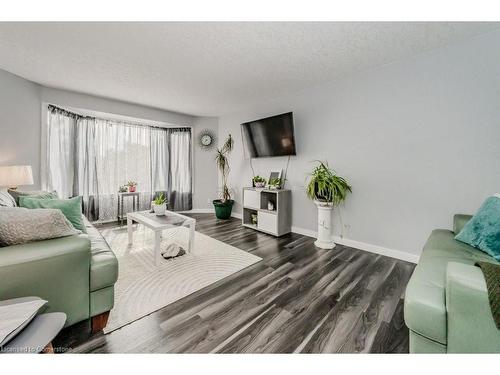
(446, 302)
(75, 274)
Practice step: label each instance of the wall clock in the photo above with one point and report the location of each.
(206, 139)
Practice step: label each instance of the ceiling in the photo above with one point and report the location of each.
(211, 68)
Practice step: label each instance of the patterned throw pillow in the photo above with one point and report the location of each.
(22, 225)
(6, 200)
(33, 193)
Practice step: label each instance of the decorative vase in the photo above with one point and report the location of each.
(324, 240)
(270, 206)
(131, 189)
(159, 209)
(260, 185)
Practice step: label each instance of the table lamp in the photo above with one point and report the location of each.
(13, 176)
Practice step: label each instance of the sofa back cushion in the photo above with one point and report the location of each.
(20, 225)
(71, 208)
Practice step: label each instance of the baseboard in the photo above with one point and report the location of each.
(398, 254)
(236, 215)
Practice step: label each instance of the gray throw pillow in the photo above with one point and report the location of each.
(22, 225)
(33, 193)
(6, 200)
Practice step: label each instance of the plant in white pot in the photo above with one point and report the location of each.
(327, 190)
(160, 205)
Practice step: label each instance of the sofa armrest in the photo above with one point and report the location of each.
(471, 328)
(56, 270)
(459, 221)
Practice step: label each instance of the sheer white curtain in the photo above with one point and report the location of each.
(60, 151)
(92, 157)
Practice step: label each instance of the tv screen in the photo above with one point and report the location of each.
(271, 136)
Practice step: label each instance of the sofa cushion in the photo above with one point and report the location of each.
(71, 208)
(16, 194)
(6, 200)
(483, 230)
(103, 262)
(20, 225)
(425, 306)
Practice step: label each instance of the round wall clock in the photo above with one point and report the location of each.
(206, 139)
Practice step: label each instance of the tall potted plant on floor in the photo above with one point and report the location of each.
(224, 205)
(328, 190)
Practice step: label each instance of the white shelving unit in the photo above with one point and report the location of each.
(276, 222)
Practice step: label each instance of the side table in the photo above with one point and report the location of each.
(135, 204)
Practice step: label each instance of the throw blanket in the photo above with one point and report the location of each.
(491, 273)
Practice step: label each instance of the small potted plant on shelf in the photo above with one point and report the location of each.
(259, 182)
(224, 205)
(160, 205)
(131, 186)
(275, 183)
(327, 190)
(123, 189)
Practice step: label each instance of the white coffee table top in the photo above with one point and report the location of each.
(159, 222)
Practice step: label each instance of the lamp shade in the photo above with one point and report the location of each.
(16, 175)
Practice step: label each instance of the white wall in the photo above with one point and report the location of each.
(205, 182)
(22, 113)
(19, 123)
(419, 140)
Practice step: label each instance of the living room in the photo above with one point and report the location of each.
(249, 187)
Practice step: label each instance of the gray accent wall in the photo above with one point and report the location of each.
(419, 140)
(20, 123)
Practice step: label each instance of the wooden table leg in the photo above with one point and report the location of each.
(130, 230)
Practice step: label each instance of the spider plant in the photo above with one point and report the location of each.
(221, 159)
(326, 186)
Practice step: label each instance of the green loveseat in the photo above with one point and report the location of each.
(446, 302)
(75, 274)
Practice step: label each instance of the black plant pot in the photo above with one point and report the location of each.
(223, 209)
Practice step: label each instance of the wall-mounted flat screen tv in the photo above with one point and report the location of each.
(270, 136)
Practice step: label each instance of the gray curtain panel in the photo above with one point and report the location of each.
(99, 155)
(180, 179)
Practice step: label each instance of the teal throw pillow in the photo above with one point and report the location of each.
(71, 208)
(32, 193)
(483, 230)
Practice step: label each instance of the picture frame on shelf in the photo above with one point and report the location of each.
(275, 174)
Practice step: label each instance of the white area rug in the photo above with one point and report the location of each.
(143, 288)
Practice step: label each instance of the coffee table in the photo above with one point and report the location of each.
(158, 223)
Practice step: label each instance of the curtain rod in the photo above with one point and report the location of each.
(54, 108)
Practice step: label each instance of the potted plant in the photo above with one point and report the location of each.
(224, 206)
(259, 182)
(328, 190)
(160, 205)
(131, 186)
(275, 183)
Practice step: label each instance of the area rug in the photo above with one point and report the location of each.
(143, 288)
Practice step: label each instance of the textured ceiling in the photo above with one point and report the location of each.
(210, 68)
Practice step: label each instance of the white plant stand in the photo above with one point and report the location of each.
(324, 240)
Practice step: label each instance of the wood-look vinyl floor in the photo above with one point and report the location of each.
(299, 299)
